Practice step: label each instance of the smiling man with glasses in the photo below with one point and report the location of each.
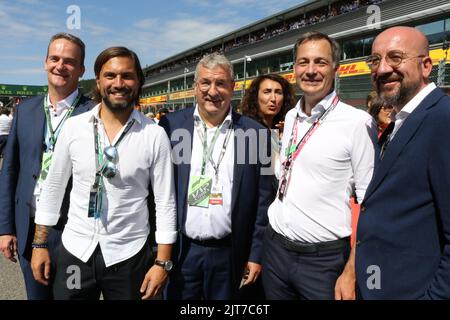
(115, 153)
(403, 240)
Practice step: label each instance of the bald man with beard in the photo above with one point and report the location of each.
(403, 238)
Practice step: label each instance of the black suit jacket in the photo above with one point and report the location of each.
(251, 191)
(21, 168)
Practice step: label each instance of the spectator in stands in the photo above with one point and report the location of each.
(161, 112)
(381, 112)
(327, 152)
(446, 89)
(267, 100)
(5, 127)
(28, 153)
(222, 201)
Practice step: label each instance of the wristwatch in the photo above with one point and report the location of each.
(166, 265)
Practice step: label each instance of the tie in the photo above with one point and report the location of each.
(385, 138)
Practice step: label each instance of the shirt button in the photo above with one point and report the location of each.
(363, 209)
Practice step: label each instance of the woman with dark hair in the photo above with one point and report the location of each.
(268, 99)
(381, 113)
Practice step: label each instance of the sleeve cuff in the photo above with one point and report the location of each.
(46, 218)
(166, 237)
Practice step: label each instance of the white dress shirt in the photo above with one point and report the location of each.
(5, 124)
(57, 113)
(213, 222)
(338, 157)
(412, 104)
(122, 230)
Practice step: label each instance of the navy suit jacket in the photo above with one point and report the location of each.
(403, 235)
(21, 168)
(251, 191)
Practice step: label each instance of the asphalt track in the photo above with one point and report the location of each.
(11, 281)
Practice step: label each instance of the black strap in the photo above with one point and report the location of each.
(385, 138)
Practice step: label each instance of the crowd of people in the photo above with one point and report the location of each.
(311, 18)
(212, 204)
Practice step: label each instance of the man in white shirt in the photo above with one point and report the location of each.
(222, 197)
(327, 154)
(114, 153)
(36, 125)
(5, 127)
(403, 239)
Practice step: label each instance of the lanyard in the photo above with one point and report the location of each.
(207, 151)
(54, 133)
(294, 148)
(97, 147)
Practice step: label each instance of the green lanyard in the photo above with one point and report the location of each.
(207, 151)
(97, 142)
(98, 186)
(54, 133)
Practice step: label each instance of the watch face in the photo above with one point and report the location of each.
(168, 265)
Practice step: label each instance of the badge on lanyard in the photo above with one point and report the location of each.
(216, 197)
(199, 191)
(45, 165)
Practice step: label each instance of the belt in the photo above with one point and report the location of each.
(300, 247)
(224, 242)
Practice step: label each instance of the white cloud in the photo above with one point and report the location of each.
(201, 3)
(22, 71)
(21, 58)
(146, 23)
(173, 37)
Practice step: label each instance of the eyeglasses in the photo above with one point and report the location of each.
(109, 167)
(392, 58)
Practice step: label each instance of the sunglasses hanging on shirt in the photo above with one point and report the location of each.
(106, 166)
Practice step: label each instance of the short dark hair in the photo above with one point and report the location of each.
(71, 38)
(375, 107)
(114, 52)
(5, 110)
(250, 106)
(314, 36)
(371, 96)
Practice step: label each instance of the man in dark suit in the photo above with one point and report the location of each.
(36, 125)
(403, 236)
(223, 189)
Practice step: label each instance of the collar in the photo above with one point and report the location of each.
(227, 119)
(414, 102)
(96, 110)
(62, 105)
(318, 109)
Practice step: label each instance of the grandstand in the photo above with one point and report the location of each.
(266, 47)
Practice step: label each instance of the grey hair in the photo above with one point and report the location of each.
(210, 61)
(314, 36)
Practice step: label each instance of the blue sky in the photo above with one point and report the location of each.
(154, 29)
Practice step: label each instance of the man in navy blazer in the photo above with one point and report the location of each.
(30, 137)
(403, 235)
(221, 224)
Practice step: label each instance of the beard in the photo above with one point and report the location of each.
(118, 107)
(400, 96)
